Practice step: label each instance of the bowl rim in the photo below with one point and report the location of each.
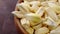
(16, 20)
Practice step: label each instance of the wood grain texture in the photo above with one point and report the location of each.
(7, 25)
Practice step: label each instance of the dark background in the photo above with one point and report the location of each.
(6, 18)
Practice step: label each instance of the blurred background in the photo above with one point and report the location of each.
(7, 25)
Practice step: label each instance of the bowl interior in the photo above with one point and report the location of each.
(17, 21)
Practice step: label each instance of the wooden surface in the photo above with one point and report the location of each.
(6, 18)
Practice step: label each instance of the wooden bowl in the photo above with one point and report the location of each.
(17, 22)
